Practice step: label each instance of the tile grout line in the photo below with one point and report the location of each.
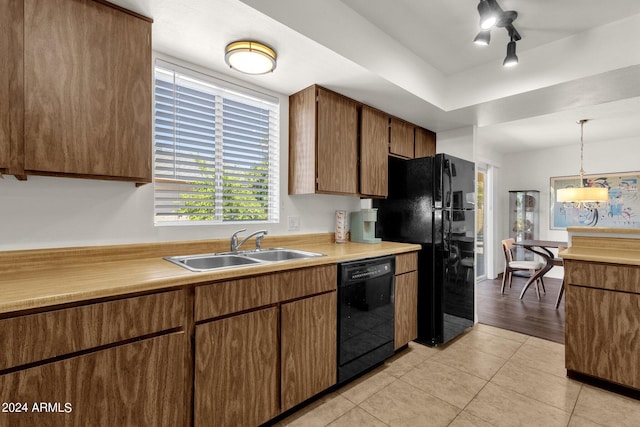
(488, 381)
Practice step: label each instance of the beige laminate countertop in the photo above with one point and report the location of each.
(68, 282)
(604, 245)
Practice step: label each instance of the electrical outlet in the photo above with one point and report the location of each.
(293, 223)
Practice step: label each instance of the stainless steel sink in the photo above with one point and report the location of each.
(239, 259)
(281, 254)
(211, 262)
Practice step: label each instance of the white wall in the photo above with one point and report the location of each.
(46, 212)
(531, 170)
(457, 142)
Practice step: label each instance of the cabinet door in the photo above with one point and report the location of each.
(236, 372)
(602, 334)
(87, 90)
(337, 144)
(10, 75)
(425, 143)
(374, 143)
(308, 334)
(406, 309)
(139, 384)
(401, 138)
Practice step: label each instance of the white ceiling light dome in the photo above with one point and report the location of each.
(250, 57)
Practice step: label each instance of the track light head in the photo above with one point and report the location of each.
(488, 15)
(483, 38)
(511, 59)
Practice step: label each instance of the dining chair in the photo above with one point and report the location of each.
(557, 261)
(512, 265)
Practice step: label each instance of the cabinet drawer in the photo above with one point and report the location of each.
(406, 262)
(137, 384)
(222, 298)
(604, 276)
(41, 336)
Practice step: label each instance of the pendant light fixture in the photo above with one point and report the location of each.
(250, 57)
(492, 15)
(582, 197)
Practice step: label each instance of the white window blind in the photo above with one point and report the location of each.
(216, 150)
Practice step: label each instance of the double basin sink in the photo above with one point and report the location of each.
(207, 262)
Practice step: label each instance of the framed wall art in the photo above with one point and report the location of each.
(622, 210)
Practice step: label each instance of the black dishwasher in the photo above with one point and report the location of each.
(365, 314)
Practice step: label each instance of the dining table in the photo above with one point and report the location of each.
(542, 248)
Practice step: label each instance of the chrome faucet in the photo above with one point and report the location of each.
(234, 239)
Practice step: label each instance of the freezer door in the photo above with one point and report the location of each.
(455, 183)
(407, 213)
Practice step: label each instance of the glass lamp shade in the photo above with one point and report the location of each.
(582, 195)
(250, 57)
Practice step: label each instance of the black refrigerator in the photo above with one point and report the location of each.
(431, 202)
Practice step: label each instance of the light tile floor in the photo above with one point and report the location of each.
(487, 377)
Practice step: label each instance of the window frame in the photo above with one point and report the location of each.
(222, 90)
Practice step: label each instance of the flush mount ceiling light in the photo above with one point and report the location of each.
(582, 197)
(250, 57)
(492, 15)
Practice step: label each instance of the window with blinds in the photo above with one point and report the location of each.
(216, 150)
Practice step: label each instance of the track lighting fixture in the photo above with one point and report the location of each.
(511, 59)
(488, 15)
(483, 38)
(491, 14)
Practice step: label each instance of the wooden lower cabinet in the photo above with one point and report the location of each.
(236, 370)
(603, 334)
(406, 309)
(136, 384)
(309, 348)
(406, 299)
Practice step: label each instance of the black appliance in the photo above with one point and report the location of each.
(365, 314)
(431, 202)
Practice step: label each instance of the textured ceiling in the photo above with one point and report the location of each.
(415, 59)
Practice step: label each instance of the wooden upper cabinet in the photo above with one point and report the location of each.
(425, 143)
(337, 143)
(323, 143)
(10, 81)
(374, 143)
(87, 90)
(340, 146)
(5, 129)
(402, 137)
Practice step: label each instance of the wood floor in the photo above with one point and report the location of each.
(528, 316)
